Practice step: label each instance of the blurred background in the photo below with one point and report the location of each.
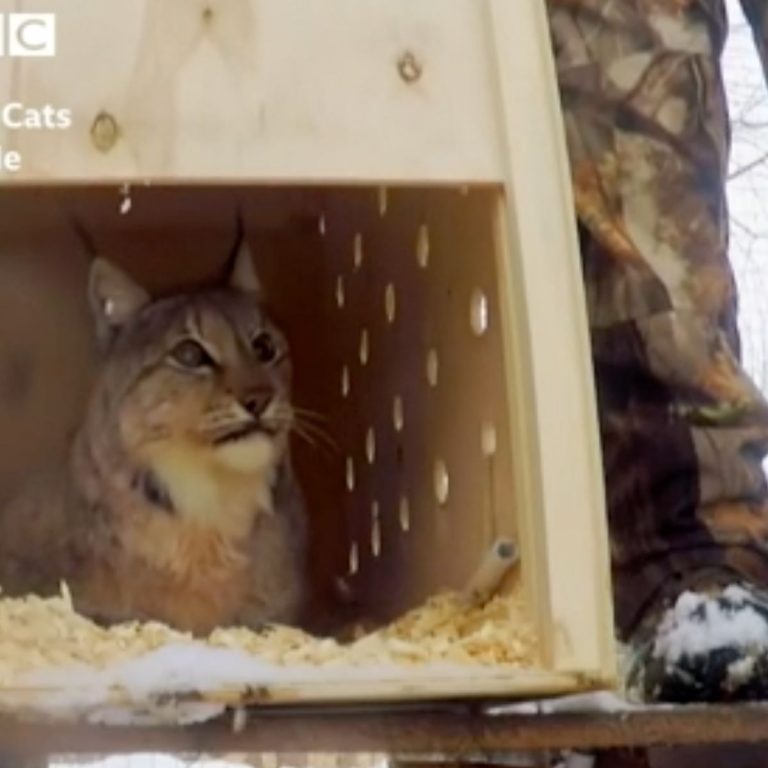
(748, 189)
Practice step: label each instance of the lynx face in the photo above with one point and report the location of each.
(196, 387)
(208, 373)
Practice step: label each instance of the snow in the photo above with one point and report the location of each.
(578, 760)
(699, 624)
(736, 594)
(581, 703)
(741, 671)
(167, 685)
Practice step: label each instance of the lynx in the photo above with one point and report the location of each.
(178, 501)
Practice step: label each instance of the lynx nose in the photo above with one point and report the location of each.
(256, 402)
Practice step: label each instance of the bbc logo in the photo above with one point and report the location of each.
(27, 34)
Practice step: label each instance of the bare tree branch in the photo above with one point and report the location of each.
(747, 167)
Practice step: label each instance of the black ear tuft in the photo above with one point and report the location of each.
(240, 269)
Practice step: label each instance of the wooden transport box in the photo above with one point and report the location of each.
(401, 172)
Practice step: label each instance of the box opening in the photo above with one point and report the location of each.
(388, 299)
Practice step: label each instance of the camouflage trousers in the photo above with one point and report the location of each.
(684, 430)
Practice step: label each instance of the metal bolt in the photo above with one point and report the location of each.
(104, 132)
(409, 67)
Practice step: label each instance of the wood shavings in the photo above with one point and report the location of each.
(38, 633)
(445, 629)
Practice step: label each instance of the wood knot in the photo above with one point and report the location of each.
(409, 67)
(105, 131)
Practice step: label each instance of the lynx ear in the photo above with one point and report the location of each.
(114, 298)
(242, 275)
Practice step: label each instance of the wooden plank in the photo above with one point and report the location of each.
(413, 687)
(285, 90)
(563, 520)
(453, 731)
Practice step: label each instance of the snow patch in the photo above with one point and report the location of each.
(741, 671)
(699, 624)
(579, 703)
(165, 686)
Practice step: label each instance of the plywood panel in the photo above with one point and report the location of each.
(412, 266)
(45, 358)
(561, 489)
(263, 89)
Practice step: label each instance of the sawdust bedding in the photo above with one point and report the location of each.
(38, 634)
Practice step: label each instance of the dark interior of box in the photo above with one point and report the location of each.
(410, 481)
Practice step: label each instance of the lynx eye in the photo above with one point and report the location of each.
(264, 346)
(191, 354)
